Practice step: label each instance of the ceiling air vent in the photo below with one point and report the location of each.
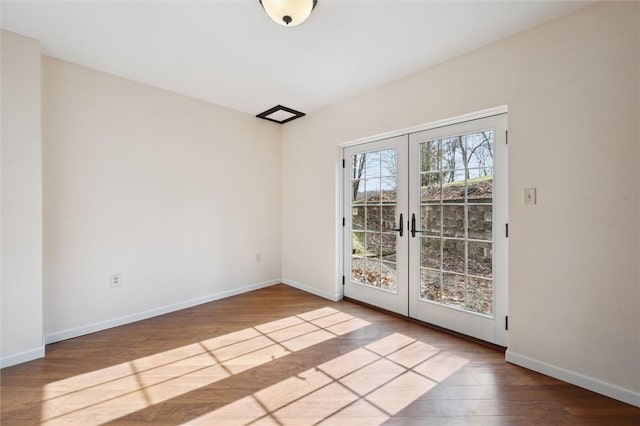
(280, 114)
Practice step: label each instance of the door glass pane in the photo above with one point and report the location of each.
(388, 247)
(453, 289)
(456, 217)
(357, 244)
(372, 165)
(452, 153)
(480, 295)
(372, 195)
(453, 221)
(453, 256)
(480, 149)
(430, 156)
(357, 166)
(357, 218)
(357, 191)
(389, 218)
(480, 222)
(372, 272)
(430, 253)
(373, 217)
(453, 186)
(431, 191)
(389, 276)
(372, 245)
(388, 163)
(357, 269)
(388, 190)
(430, 285)
(480, 186)
(480, 259)
(430, 219)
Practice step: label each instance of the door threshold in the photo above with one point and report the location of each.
(429, 325)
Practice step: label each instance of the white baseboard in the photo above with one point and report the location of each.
(296, 284)
(116, 322)
(595, 385)
(19, 358)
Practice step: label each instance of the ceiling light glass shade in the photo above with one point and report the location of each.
(288, 12)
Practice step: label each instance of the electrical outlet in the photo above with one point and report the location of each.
(115, 280)
(258, 257)
(529, 195)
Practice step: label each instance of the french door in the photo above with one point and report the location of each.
(377, 203)
(425, 218)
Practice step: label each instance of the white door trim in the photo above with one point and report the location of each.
(339, 195)
(489, 112)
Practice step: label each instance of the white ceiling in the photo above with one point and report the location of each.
(231, 53)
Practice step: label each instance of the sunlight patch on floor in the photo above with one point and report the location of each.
(107, 394)
(365, 387)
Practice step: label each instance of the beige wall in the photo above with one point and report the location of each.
(572, 90)
(175, 194)
(21, 201)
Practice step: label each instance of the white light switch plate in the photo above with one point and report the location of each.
(529, 195)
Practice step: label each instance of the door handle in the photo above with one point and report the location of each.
(401, 229)
(413, 225)
(414, 231)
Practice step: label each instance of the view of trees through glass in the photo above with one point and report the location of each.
(456, 211)
(456, 203)
(373, 206)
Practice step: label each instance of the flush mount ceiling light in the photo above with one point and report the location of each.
(288, 12)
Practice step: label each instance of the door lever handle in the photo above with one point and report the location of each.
(413, 225)
(414, 231)
(400, 229)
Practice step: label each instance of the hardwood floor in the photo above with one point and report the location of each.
(282, 356)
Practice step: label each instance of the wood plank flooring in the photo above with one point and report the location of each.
(279, 356)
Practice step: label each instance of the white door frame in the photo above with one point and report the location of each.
(340, 171)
